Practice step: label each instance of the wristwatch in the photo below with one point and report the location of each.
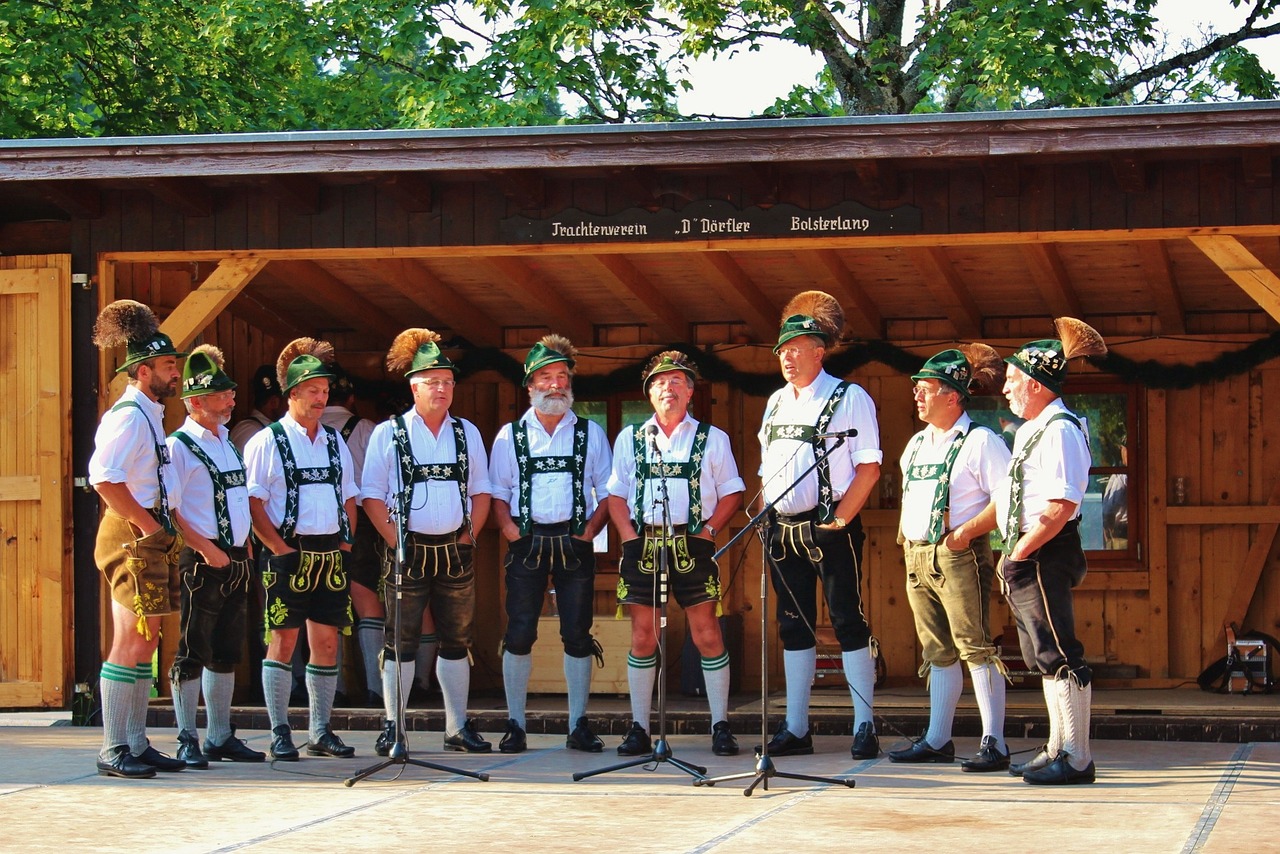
(710, 529)
(837, 522)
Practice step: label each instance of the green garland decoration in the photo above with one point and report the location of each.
(714, 368)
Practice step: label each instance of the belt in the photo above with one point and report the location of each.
(316, 543)
(237, 552)
(551, 529)
(433, 539)
(797, 518)
(656, 532)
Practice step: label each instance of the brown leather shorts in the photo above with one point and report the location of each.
(142, 572)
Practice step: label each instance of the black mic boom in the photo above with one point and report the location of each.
(837, 434)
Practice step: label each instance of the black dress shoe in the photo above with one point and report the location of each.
(233, 750)
(189, 750)
(160, 761)
(121, 763)
(467, 740)
(866, 745)
(1059, 772)
(920, 751)
(722, 741)
(1035, 763)
(328, 744)
(282, 745)
(386, 739)
(582, 738)
(787, 743)
(636, 743)
(988, 758)
(514, 741)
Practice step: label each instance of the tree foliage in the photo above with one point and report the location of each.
(110, 67)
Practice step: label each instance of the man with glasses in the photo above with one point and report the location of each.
(550, 472)
(816, 535)
(949, 470)
(427, 468)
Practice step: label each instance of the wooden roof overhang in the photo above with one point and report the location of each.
(1167, 214)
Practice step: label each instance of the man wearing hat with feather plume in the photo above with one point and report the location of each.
(949, 470)
(816, 534)
(1038, 509)
(215, 564)
(550, 472)
(302, 498)
(428, 469)
(137, 544)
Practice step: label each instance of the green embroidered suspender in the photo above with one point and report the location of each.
(162, 457)
(296, 477)
(529, 466)
(412, 472)
(940, 472)
(805, 433)
(1013, 524)
(222, 481)
(690, 471)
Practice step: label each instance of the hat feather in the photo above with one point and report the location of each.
(986, 368)
(123, 321)
(560, 344)
(212, 353)
(322, 350)
(822, 307)
(1078, 338)
(405, 347)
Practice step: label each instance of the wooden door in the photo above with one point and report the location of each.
(35, 443)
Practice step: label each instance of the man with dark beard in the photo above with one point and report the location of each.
(549, 472)
(1038, 508)
(215, 564)
(137, 544)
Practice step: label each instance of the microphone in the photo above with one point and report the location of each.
(837, 434)
(652, 432)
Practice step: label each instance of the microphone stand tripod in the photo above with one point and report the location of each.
(662, 752)
(764, 768)
(399, 754)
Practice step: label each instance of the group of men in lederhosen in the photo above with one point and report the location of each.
(179, 514)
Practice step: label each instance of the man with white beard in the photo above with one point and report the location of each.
(549, 472)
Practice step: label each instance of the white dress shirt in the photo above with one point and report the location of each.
(983, 461)
(552, 492)
(1058, 467)
(317, 510)
(196, 484)
(124, 450)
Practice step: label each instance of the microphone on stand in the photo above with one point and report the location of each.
(837, 434)
(652, 433)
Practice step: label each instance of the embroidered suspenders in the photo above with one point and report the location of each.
(690, 471)
(162, 457)
(413, 472)
(530, 465)
(940, 473)
(222, 481)
(1013, 524)
(805, 433)
(296, 477)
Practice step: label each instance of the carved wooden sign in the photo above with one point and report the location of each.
(710, 220)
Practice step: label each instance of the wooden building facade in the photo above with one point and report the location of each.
(1158, 226)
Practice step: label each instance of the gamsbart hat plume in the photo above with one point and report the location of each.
(549, 350)
(1046, 360)
(203, 372)
(131, 324)
(811, 313)
(303, 359)
(668, 360)
(986, 368)
(417, 350)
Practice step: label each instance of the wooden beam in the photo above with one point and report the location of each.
(298, 193)
(411, 190)
(740, 293)
(1260, 283)
(948, 290)
(1256, 166)
(631, 286)
(1130, 171)
(264, 314)
(543, 301)
(1250, 572)
(332, 295)
(1225, 514)
(78, 198)
(1002, 178)
(203, 305)
(444, 304)
(830, 274)
(638, 185)
(526, 190)
(1164, 291)
(879, 177)
(1050, 277)
(188, 196)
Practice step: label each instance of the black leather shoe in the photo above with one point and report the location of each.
(328, 744)
(514, 741)
(1059, 773)
(386, 739)
(1035, 763)
(189, 750)
(467, 740)
(233, 750)
(787, 743)
(282, 745)
(722, 741)
(636, 742)
(988, 758)
(121, 763)
(867, 746)
(920, 751)
(582, 738)
(160, 761)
